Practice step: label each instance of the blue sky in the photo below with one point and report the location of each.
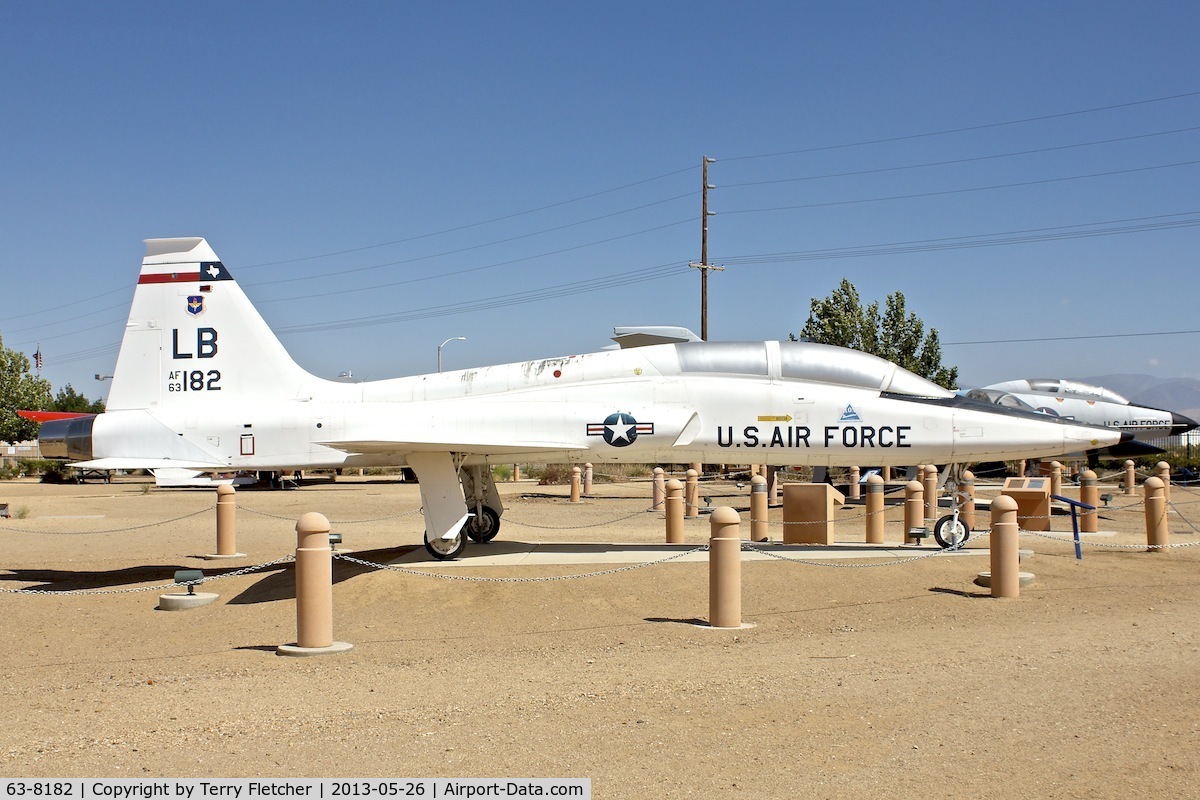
(383, 176)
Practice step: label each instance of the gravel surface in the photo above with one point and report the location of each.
(904, 681)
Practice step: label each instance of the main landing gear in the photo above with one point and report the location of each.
(480, 527)
(483, 507)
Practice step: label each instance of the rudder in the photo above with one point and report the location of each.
(194, 338)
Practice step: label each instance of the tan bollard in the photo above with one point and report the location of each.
(587, 479)
(874, 517)
(887, 474)
(758, 509)
(966, 512)
(516, 472)
(1157, 530)
(691, 494)
(1130, 478)
(314, 590)
(1089, 492)
(226, 524)
(914, 511)
(575, 481)
(1162, 471)
(772, 477)
(674, 506)
(725, 569)
(1005, 553)
(855, 490)
(931, 495)
(659, 493)
(1056, 470)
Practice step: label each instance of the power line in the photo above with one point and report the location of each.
(1027, 236)
(292, 280)
(950, 162)
(966, 190)
(965, 129)
(599, 283)
(1073, 338)
(470, 225)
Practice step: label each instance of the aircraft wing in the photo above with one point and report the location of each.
(147, 463)
(451, 444)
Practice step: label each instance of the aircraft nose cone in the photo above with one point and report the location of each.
(1181, 424)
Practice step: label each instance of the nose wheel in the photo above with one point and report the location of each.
(951, 532)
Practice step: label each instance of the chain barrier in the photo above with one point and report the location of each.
(546, 579)
(333, 521)
(159, 587)
(110, 530)
(1110, 545)
(1186, 521)
(510, 521)
(927, 554)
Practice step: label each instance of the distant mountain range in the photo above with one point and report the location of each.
(1181, 395)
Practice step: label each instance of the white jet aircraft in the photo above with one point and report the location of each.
(1090, 405)
(201, 383)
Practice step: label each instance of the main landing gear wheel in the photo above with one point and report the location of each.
(482, 527)
(446, 549)
(951, 532)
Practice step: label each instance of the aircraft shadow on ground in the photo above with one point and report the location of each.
(679, 620)
(277, 582)
(62, 580)
(960, 592)
(280, 584)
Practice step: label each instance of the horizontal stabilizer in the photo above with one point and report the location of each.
(50, 416)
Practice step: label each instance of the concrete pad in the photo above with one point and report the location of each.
(304, 652)
(704, 626)
(510, 553)
(183, 601)
(985, 579)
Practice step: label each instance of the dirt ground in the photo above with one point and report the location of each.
(901, 680)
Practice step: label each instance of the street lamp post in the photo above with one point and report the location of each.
(443, 344)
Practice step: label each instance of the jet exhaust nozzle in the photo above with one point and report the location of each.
(69, 439)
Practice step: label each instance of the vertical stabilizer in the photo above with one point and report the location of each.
(193, 337)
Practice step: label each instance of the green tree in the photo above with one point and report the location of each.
(68, 399)
(897, 335)
(19, 390)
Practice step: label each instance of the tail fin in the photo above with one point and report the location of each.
(194, 338)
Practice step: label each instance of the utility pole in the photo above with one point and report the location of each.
(704, 266)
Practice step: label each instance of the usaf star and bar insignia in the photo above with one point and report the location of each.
(620, 429)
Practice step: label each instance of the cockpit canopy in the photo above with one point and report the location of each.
(807, 361)
(1000, 398)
